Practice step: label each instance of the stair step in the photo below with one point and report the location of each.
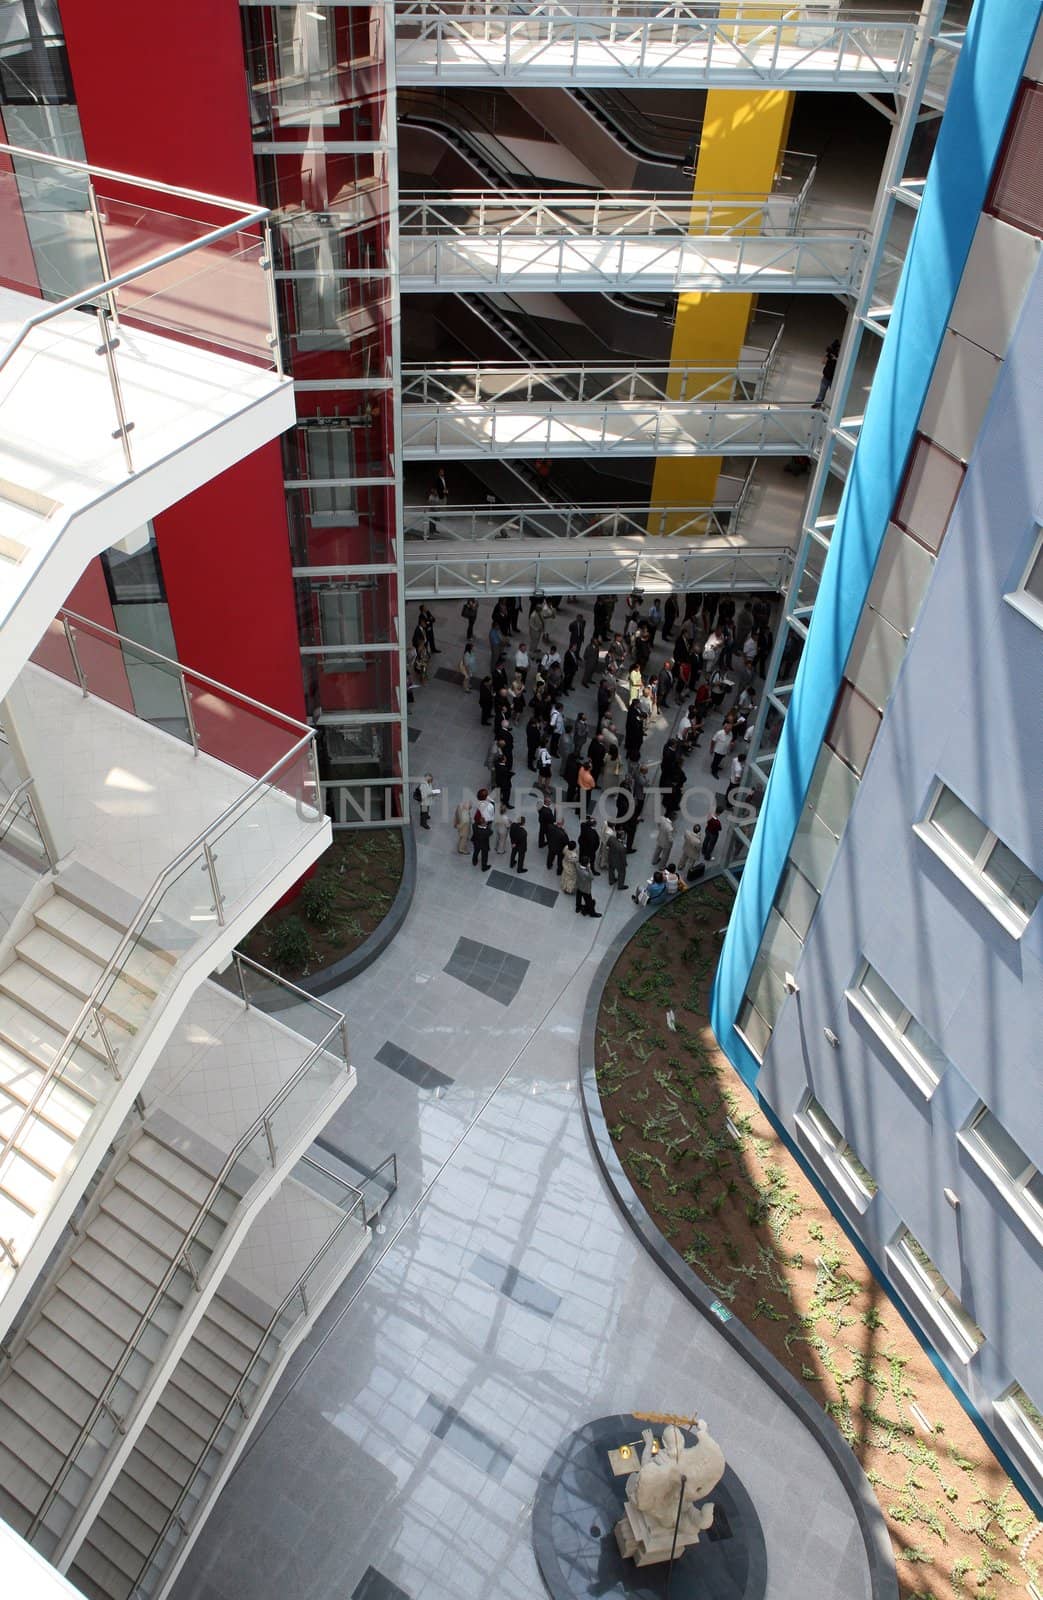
(231, 1352)
(38, 1141)
(122, 1281)
(20, 1398)
(143, 1222)
(129, 1248)
(219, 1374)
(82, 1288)
(68, 1103)
(21, 1480)
(78, 974)
(183, 1395)
(212, 1396)
(171, 1169)
(97, 1577)
(57, 1008)
(233, 1321)
(65, 1389)
(132, 1496)
(146, 1473)
(117, 1543)
(187, 1440)
(27, 1039)
(159, 1451)
(53, 1339)
(14, 1513)
(87, 933)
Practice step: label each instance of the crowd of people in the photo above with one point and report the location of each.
(589, 768)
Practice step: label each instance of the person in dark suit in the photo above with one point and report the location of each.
(557, 839)
(596, 757)
(519, 844)
(589, 844)
(486, 700)
(481, 833)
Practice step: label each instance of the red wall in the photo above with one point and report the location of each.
(161, 92)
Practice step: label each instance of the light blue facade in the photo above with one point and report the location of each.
(967, 708)
(985, 83)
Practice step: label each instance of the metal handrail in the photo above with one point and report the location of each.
(259, 1125)
(200, 845)
(299, 1288)
(250, 215)
(12, 804)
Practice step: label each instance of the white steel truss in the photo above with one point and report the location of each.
(582, 213)
(592, 382)
(481, 524)
(658, 566)
(563, 428)
(603, 43)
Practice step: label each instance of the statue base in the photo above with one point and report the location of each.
(646, 1545)
(580, 1504)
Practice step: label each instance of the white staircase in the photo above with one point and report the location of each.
(67, 1349)
(55, 966)
(116, 1551)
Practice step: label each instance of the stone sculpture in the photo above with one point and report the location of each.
(674, 1473)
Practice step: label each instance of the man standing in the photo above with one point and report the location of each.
(720, 744)
(425, 792)
(711, 833)
(545, 818)
(588, 845)
(591, 661)
(469, 612)
(486, 700)
(481, 833)
(557, 727)
(664, 685)
(669, 617)
(664, 840)
(690, 850)
(584, 896)
(617, 859)
(521, 661)
(502, 775)
(569, 668)
(557, 839)
(596, 758)
(519, 845)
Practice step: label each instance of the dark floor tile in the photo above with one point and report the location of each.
(422, 1073)
(491, 971)
(374, 1586)
(446, 1423)
(518, 886)
(517, 1286)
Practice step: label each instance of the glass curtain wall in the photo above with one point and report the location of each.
(322, 96)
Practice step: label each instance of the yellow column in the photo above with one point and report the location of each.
(739, 154)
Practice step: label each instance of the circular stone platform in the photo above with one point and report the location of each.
(579, 1502)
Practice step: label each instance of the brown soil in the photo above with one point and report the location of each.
(364, 869)
(740, 1211)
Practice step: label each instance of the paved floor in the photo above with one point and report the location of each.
(506, 1301)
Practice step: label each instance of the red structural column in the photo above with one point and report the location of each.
(161, 92)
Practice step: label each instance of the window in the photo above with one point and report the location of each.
(922, 1277)
(834, 1149)
(933, 480)
(998, 877)
(340, 624)
(331, 460)
(1006, 1162)
(1028, 596)
(1016, 195)
(1024, 1420)
(907, 1039)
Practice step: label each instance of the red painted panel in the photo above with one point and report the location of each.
(102, 662)
(226, 562)
(162, 92)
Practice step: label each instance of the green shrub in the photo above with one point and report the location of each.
(290, 944)
(318, 899)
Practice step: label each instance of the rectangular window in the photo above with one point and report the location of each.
(907, 1039)
(1028, 596)
(1016, 195)
(999, 878)
(933, 480)
(922, 1277)
(331, 457)
(1006, 1162)
(1024, 1420)
(823, 1133)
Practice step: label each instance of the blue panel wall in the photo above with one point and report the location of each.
(986, 81)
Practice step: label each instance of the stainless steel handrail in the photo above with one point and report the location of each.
(259, 1125)
(198, 847)
(299, 1288)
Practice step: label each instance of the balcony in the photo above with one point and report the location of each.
(604, 43)
(474, 241)
(167, 847)
(136, 362)
(232, 1104)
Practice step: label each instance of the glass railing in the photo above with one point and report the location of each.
(294, 1310)
(21, 830)
(293, 1111)
(271, 756)
(80, 236)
